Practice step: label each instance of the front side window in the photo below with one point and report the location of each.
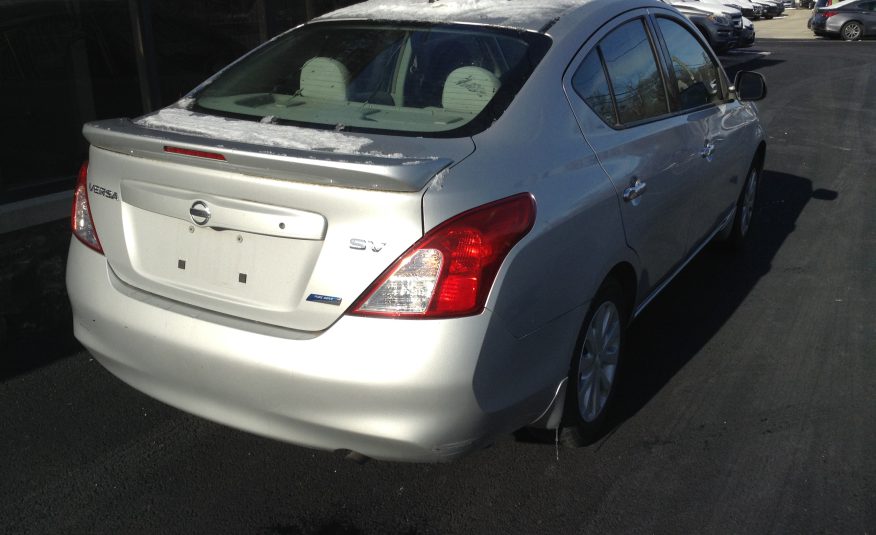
(423, 79)
(696, 76)
(635, 79)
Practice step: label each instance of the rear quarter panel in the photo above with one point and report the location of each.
(537, 147)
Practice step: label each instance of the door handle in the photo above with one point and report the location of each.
(708, 149)
(637, 189)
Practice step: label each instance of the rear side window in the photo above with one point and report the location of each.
(591, 84)
(620, 79)
(696, 76)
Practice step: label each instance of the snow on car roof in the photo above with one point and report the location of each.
(524, 14)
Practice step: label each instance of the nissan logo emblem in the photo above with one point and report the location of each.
(200, 213)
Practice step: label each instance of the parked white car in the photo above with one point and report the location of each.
(411, 225)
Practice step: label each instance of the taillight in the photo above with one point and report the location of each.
(80, 220)
(829, 14)
(449, 271)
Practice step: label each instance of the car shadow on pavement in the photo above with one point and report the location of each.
(747, 61)
(703, 297)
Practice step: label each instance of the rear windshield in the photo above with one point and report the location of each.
(432, 80)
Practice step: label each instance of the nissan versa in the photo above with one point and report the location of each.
(408, 226)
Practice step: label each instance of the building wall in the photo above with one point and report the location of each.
(66, 62)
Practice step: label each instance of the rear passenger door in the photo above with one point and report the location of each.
(617, 88)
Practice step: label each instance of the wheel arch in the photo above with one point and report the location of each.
(759, 156)
(625, 274)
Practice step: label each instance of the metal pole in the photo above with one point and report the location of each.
(144, 49)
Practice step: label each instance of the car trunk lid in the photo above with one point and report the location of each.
(279, 235)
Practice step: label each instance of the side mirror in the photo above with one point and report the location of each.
(749, 85)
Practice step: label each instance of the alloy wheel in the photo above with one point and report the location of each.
(597, 364)
(852, 31)
(747, 208)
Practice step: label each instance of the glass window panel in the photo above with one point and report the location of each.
(632, 68)
(590, 83)
(379, 77)
(696, 75)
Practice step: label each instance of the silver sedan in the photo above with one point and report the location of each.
(409, 226)
(852, 20)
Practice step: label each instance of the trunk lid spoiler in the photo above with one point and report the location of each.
(408, 168)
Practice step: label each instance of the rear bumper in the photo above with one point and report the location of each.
(389, 389)
(825, 27)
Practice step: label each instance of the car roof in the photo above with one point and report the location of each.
(562, 20)
(840, 5)
(535, 15)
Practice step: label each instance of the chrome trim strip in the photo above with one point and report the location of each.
(681, 266)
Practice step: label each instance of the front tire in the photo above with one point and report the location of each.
(594, 368)
(745, 209)
(852, 31)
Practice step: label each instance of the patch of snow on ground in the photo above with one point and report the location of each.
(288, 137)
(515, 13)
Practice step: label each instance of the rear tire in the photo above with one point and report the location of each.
(852, 31)
(595, 367)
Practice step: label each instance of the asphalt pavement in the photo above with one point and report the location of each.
(749, 407)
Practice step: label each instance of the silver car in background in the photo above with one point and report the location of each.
(408, 226)
(851, 20)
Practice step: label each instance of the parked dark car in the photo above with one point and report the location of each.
(770, 9)
(814, 5)
(746, 36)
(850, 20)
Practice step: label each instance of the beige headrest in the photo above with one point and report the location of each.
(469, 89)
(324, 78)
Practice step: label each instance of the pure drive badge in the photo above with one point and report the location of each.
(324, 299)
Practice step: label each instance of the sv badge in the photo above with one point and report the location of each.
(363, 245)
